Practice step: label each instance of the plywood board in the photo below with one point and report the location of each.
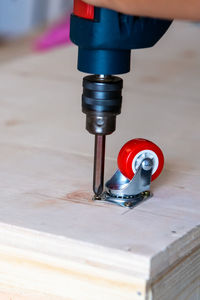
(46, 213)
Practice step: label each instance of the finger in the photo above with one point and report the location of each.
(103, 3)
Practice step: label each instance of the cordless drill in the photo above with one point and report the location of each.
(105, 39)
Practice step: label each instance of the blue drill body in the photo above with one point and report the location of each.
(105, 43)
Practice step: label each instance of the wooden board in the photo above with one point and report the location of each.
(54, 240)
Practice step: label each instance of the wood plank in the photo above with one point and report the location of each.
(182, 281)
(47, 217)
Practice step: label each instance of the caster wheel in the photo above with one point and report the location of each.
(134, 152)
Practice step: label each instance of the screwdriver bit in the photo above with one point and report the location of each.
(99, 162)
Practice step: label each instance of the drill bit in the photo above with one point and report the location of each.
(99, 162)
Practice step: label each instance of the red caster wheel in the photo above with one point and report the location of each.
(134, 152)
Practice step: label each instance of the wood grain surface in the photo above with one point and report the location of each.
(48, 219)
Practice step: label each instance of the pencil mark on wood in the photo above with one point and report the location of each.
(174, 232)
(180, 187)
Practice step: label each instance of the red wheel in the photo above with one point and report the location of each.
(132, 154)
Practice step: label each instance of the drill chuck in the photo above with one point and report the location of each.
(101, 102)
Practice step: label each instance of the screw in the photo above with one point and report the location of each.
(128, 204)
(97, 198)
(146, 194)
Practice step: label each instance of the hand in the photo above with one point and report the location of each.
(169, 9)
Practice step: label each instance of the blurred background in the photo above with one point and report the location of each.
(33, 24)
(18, 17)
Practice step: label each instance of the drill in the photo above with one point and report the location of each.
(105, 39)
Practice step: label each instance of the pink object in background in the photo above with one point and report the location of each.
(56, 36)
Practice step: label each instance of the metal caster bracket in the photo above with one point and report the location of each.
(129, 193)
